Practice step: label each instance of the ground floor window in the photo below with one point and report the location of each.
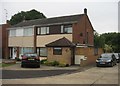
(42, 51)
(57, 51)
(26, 50)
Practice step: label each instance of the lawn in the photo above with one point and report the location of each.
(5, 65)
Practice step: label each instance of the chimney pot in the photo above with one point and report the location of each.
(85, 11)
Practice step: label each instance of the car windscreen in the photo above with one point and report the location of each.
(106, 56)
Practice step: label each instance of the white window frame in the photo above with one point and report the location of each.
(12, 32)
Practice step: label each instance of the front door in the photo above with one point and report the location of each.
(13, 52)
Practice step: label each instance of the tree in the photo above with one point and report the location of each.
(112, 40)
(99, 41)
(28, 15)
(108, 49)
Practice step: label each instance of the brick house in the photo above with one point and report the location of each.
(37, 35)
(3, 40)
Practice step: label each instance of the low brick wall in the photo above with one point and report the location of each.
(89, 53)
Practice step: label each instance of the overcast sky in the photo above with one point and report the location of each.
(103, 14)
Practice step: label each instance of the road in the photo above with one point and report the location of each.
(94, 75)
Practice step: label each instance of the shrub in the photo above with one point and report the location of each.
(55, 63)
(17, 59)
(63, 65)
(52, 63)
(47, 63)
(43, 61)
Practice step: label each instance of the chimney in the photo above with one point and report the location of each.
(85, 11)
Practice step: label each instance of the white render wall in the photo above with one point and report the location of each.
(42, 40)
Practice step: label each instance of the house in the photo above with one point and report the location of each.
(3, 40)
(52, 37)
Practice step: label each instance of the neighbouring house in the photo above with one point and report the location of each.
(58, 38)
(3, 40)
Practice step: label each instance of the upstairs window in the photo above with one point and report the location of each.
(19, 32)
(66, 29)
(28, 32)
(12, 33)
(43, 30)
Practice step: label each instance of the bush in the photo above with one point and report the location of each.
(17, 59)
(53, 63)
(43, 61)
(47, 63)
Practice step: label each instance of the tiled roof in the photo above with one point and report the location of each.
(63, 42)
(54, 20)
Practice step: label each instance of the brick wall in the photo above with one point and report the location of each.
(64, 58)
(4, 40)
(83, 26)
(89, 53)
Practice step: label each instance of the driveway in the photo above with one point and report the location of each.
(94, 75)
(16, 72)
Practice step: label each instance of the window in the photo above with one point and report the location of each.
(12, 33)
(38, 30)
(28, 31)
(43, 30)
(47, 30)
(66, 29)
(57, 51)
(62, 29)
(19, 32)
(41, 51)
(26, 50)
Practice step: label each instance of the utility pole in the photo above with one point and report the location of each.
(6, 13)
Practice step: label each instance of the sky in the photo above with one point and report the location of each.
(103, 14)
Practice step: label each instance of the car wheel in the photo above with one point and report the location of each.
(22, 66)
(38, 66)
(112, 64)
(97, 65)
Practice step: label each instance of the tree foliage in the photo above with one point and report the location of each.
(99, 41)
(110, 42)
(28, 15)
(113, 40)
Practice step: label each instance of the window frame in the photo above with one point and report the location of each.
(39, 30)
(39, 52)
(65, 29)
(57, 52)
(27, 33)
(11, 34)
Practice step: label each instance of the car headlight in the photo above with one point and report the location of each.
(108, 61)
(97, 60)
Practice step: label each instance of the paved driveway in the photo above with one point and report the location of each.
(95, 75)
(16, 72)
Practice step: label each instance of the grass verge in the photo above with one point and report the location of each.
(5, 65)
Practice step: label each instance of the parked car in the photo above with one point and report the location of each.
(117, 55)
(106, 59)
(30, 59)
